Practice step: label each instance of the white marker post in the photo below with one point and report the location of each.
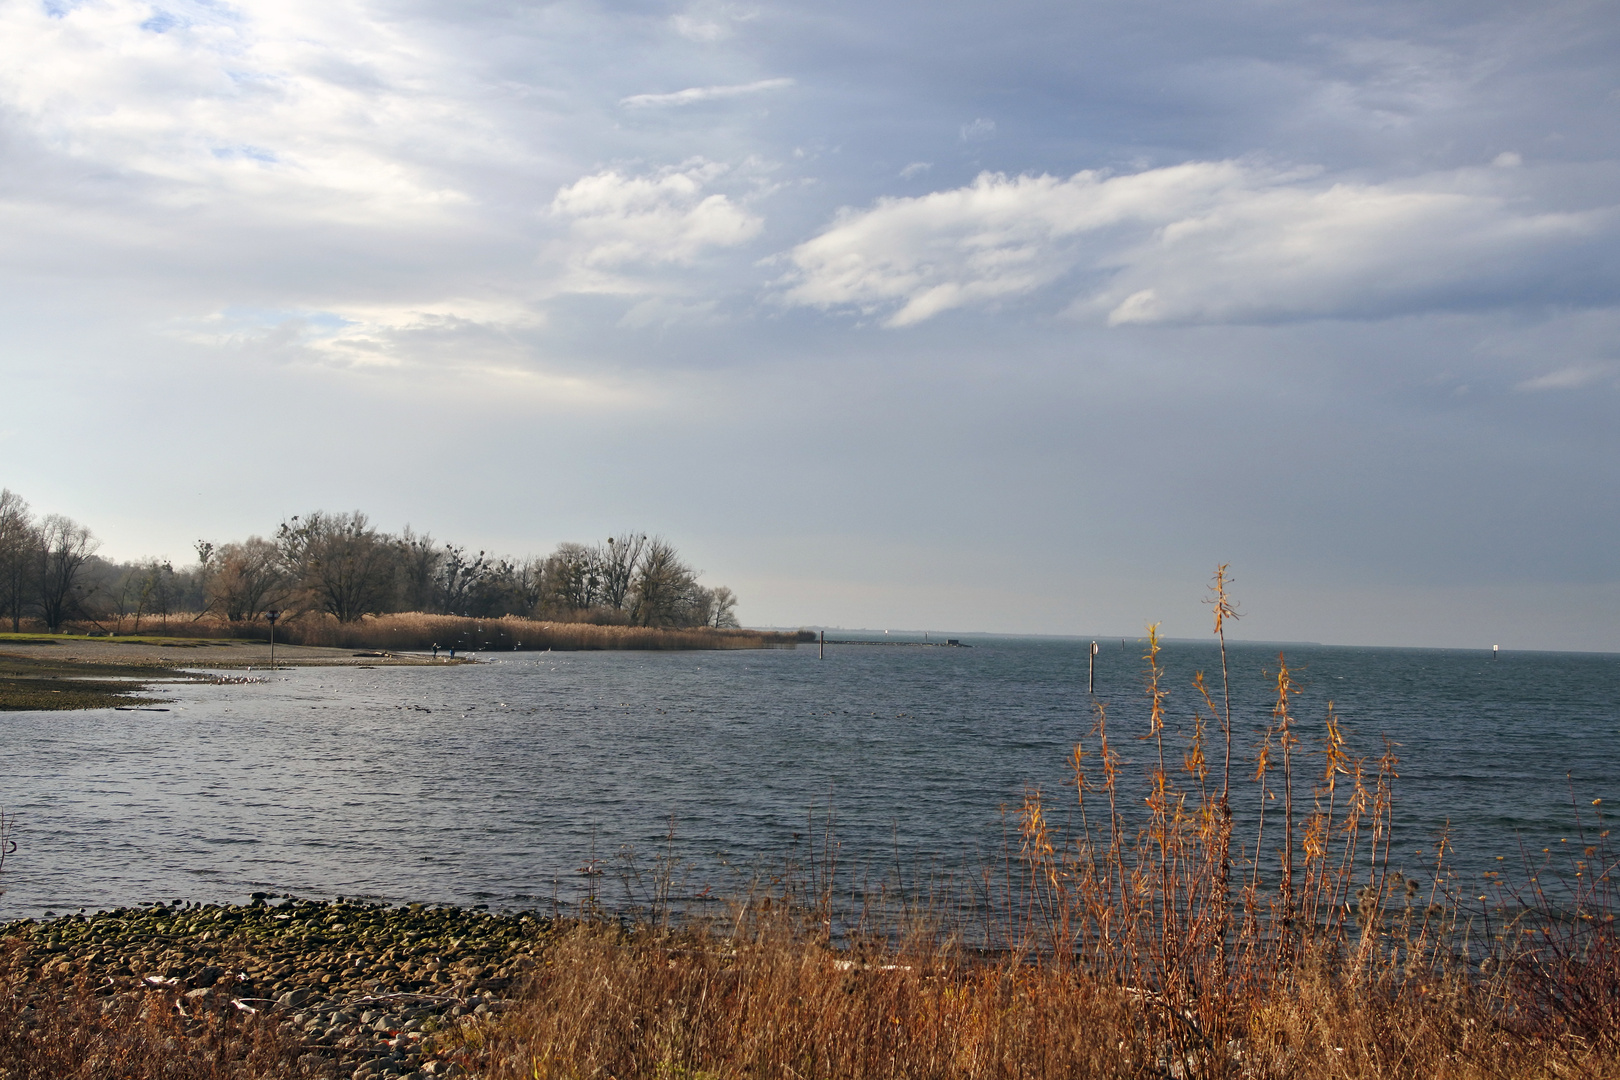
(1495, 654)
(1091, 669)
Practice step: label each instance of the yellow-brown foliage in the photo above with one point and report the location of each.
(416, 630)
(777, 1002)
(54, 1030)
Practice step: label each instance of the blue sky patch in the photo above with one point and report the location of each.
(161, 22)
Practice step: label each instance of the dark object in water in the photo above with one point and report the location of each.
(948, 643)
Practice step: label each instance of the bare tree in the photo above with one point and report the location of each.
(531, 584)
(156, 590)
(245, 580)
(459, 579)
(665, 587)
(721, 607)
(572, 579)
(343, 564)
(124, 593)
(19, 541)
(618, 561)
(509, 588)
(419, 564)
(65, 547)
(501, 590)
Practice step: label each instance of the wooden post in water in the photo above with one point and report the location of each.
(822, 655)
(1091, 669)
(272, 615)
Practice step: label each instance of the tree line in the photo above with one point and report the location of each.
(341, 565)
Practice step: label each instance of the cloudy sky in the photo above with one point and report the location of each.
(1015, 316)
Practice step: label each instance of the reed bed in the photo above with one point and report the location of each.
(417, 630)
(414, 630)
(772, 1002)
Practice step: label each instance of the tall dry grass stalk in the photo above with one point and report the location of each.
(765, 998)
(1152, 890)
(1554, 946)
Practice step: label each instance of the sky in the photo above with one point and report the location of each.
(1013, 317)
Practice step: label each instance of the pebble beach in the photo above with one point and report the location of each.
(347, 989)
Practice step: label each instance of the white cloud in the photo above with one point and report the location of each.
(693, 95)
(1222, 241)
(1569, 378)
(308, 110)
(995, 238)
(698, 29)
(711, 22)
(619, 222)
(916, 168)
(977, 130)
(486, 340)
(391, 335)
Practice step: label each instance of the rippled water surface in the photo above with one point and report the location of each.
(496, 782)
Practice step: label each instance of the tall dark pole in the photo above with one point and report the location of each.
(272, 615)
(1091, 669)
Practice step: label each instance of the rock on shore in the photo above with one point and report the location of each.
(355, 989)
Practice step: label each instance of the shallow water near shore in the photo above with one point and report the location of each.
(497, 783)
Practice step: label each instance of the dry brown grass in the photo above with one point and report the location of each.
(58, 1030)
(416, 630)
(775, 1002)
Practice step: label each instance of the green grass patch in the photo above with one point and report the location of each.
(124, 639)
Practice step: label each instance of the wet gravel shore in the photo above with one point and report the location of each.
(354, 989)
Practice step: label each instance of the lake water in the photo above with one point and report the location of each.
(496, 783)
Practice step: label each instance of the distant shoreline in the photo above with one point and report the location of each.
(56, 672)
(41, 672)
